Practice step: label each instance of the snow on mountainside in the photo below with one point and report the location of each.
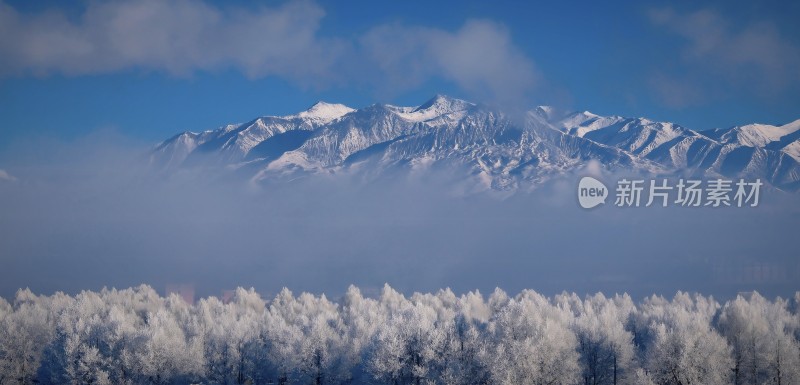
(439, 106)
(793, 150)
(323, 113)
(754, 135)
(492, 150)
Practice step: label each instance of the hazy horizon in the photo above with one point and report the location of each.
(89, 214)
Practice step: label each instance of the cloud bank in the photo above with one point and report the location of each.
(182, 37)
(87, 214)
(176, 37)
(479, 57)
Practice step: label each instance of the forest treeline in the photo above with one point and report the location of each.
(135, 336)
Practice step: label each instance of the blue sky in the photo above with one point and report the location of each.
(150, 69)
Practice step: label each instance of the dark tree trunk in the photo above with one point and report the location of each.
(615, 369)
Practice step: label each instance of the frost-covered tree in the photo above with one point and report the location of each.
(464, 358)
(281, 336)
(796, 311)
(533, 343)
(80, 352)
(605, 346)
(134, 336)
(362, 318)
(684, 348)
(5, 309)
(406, 350)
(25, 333)
(232, 338)
(473, 307)
(306, 340)
(163, 354)
(497, 301)
(127, 316)
(322, 346)
(762, 334)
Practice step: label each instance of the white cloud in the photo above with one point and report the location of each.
(176, 37)
(181, 37)
(753, 55)
(479, 57)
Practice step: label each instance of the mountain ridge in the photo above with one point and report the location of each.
(495, 151)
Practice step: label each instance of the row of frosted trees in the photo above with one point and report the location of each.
(134, 336)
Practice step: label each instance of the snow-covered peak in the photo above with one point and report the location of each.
(792, 127)
(444, 102)
(322, 112)
(548, 113)
(758, 135)
(439, 105)
(581, 123)
(577, 118)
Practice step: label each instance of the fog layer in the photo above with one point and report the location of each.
(89, 214)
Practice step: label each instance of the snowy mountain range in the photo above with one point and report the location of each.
(491, 149)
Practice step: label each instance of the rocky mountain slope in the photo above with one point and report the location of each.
(490, 148)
